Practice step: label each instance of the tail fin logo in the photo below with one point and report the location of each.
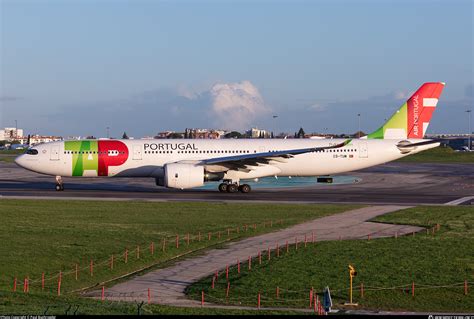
(413, 117)
(421, 107)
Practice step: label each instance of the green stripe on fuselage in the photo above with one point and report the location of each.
(84, 157)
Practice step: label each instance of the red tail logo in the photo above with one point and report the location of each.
(421, 106)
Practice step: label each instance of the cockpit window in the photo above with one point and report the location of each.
(32, 151)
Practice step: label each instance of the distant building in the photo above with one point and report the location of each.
(68, 138)
(358, 134)
(203, 133)
(455, 141)
(257, 133)
(37, 139)
(10, 134)
(443, 135)
(164, 134)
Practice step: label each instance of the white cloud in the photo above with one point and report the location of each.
(317, 107)
(237, 104)
(188, 92)
(400, 95)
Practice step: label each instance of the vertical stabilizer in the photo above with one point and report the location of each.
(413, 118)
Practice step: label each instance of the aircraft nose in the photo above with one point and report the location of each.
(26, 161)
(20, 160)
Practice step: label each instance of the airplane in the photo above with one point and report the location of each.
(189, 163)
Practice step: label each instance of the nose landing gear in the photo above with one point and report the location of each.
(59, 184)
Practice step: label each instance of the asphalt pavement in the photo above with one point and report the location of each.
(392, 183)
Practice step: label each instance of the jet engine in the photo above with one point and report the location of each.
(181, 176)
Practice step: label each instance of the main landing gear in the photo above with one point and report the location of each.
(59, 184)
(234, 188)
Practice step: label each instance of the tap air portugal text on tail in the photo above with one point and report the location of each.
(190, 163)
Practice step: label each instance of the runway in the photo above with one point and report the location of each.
(392, 183)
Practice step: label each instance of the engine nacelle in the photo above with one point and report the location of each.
(183, 175)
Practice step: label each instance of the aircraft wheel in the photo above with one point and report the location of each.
(222, 187)
(59, 187)
(232, 188)
(245, 188)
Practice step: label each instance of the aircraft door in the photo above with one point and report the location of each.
(363, 149)
(137, 152)
(54, 156)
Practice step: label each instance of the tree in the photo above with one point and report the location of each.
(358, 134)
(175, 135)
(233, 134)
(271, 136)
(301, 133)
(125, 136)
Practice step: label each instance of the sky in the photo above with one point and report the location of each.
(74, 68)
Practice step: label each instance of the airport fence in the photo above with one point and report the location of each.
(280, 298)
(220, 282)
(84, 274)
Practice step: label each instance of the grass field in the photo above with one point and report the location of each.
(54, 236)
(35, 303)
(440, 155)
(442, 259)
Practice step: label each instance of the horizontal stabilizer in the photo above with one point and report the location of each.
(407, 146)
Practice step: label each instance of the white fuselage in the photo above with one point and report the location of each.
(146, 158)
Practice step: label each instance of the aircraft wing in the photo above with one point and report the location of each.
(242, 162)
